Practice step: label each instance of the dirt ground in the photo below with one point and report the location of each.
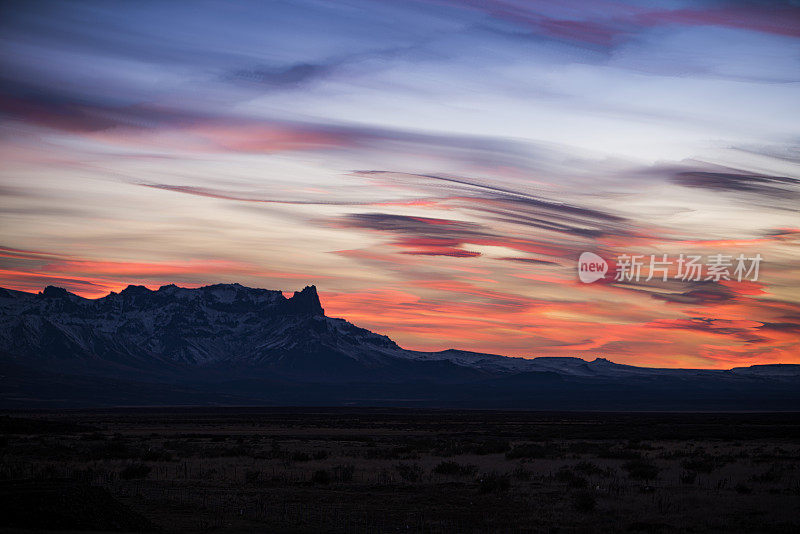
(382, 470)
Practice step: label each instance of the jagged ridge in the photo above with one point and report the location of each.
(230, 328)
(218, 325)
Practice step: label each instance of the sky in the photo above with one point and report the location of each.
(434, 168)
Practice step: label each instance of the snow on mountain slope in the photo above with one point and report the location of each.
(195, 327)
(229, 327)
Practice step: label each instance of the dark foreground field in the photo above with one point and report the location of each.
(360, 470)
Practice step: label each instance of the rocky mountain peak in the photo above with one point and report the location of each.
(51, 292)
(306, 302)
(135, 290)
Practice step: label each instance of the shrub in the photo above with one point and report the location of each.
(157, 455)
(641, 469)
(587, 447)
(572, 480)
(344, 473)
(134, 471)
(584, 501)
(300, 456)
(494, 446)
(620, 454)
(111, 450)
(392, 453)
(493, 483)
(702, 464)
(321, 476)
(227, 451)
(454, 469)
(590, 468)
(252, 476)
(520, 473)
(531, 450)
(637, 444)
(409, 472)
(773, 474)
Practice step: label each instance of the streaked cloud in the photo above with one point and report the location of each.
(436, 168)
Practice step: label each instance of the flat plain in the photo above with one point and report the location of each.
(391, 470)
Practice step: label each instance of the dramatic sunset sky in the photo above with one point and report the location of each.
(435, 168)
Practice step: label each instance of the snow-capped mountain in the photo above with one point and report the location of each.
(221, 338)
(218, 326)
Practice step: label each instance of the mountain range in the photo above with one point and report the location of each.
(227, 344)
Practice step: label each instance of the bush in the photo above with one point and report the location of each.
(584, 501)
(157, 455)
(572, 480)
(493, 483)
(520, 473)
(641, 469)
(620, 454)
(321, 477)
(227, 451)
(111, 450)
(300, 456)
(702, 464)
(773, 474)
(134, 471)
(274, 453)
(590, 468)
(532, 450)
(392, 453)
(454, 469)
(587, 447)
(344, 473)
(409, 472)
(637, 444)
(494, 446)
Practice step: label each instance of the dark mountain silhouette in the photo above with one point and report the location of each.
(230, 344)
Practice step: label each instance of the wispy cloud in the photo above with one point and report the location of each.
(775, 186)
(435, 167)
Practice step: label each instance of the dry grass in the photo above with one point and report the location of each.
(416, 471)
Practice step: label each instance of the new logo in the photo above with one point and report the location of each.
(591, 267)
